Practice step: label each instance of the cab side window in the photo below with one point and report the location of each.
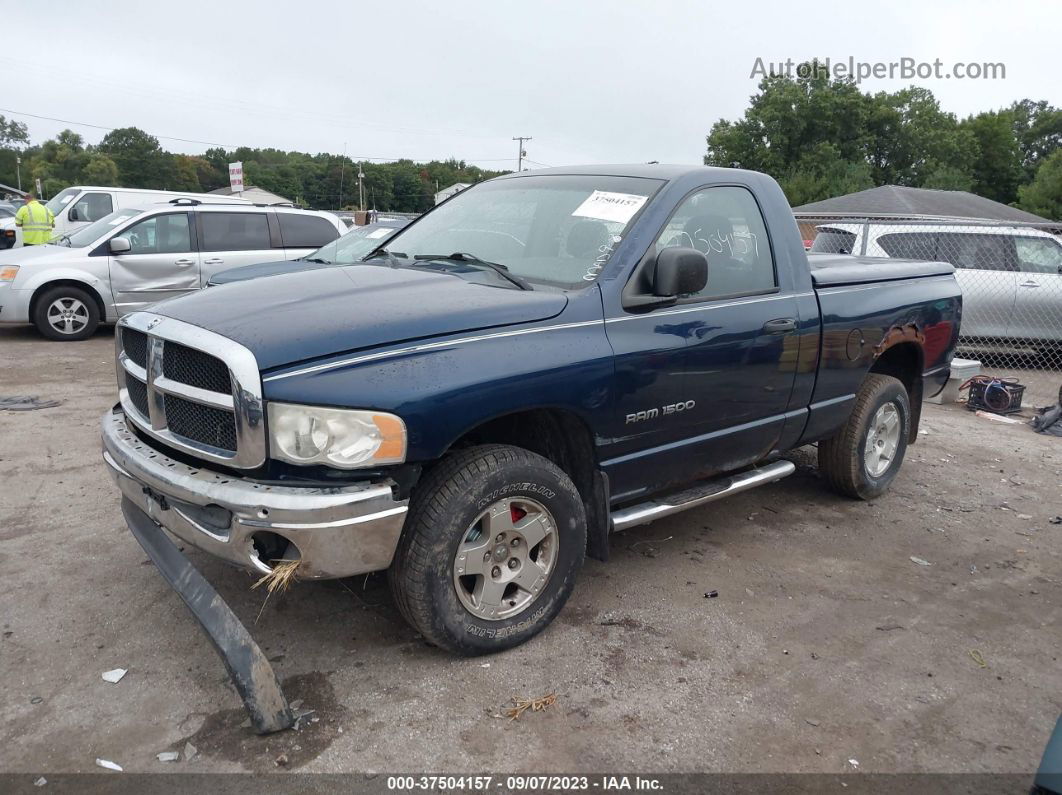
(725, 224)
(234, 231)
(92, 207)
(160, 234)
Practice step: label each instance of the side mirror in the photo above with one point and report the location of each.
(679, 271)
(72, 215)
(120, 245)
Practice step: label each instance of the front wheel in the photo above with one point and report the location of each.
(862, 459)
(66, 313)
(491, 548)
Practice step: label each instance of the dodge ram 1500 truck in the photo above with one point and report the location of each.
(543, 359)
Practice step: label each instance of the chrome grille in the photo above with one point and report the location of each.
(202, 424)
(192, 389)
(137, 394)
(136, 345)
(189, 366)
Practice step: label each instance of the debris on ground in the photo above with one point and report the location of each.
(168, 756)
(307, 715)
(109, 765)
(522, 705)
(296, 703)
(997, 417)
(1055, 520)
(114, 676)
(1024, 516)
(978, 658)
(485, 665)
(26, 403)
(1048, 420)
(281, 761)
(190, 752)
(711, 594)
(40, 782)
(853, 762)
(920, 561)
(811, 722)
(889, 627)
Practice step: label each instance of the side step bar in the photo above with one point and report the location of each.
(652, 510)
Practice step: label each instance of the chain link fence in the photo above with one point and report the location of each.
(1010, 275)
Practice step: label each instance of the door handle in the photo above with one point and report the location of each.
(184, 262)
(213, 261)
(1029, 284)
(781, 325)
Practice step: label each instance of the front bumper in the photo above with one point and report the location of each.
(335, 532)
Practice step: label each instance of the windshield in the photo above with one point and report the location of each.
(546, 230)
(94, 231)
(62, 199)
(354, 245)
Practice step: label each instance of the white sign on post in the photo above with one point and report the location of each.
(236, 177)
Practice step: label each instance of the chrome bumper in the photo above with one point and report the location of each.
(337, 532)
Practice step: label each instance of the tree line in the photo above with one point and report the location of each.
(130, 157)
(822, 137)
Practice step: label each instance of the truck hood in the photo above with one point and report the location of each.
(296, 317)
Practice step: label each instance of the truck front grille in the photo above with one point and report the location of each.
(202, 424)
(195, 368)
(138, 394)
(208, 404)
(135, 344)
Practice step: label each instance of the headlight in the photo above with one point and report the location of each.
(8, 273)
(335, 437)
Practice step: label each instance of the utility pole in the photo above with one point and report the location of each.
(520, 153)
(342, 170)
(361, 190)
(18, 170)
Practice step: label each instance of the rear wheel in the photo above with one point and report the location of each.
(862, 459)
(66, 313)
(494, 540)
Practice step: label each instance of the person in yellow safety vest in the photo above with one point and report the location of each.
(36, 222)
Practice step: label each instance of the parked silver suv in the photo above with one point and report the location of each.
(135, 257)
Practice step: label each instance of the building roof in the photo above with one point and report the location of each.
(8, 189)
(897, 200)
(254, 193)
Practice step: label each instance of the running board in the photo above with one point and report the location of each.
(699, 495)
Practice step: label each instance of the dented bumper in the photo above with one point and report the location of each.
(333, 532)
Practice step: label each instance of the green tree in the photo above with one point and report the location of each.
(99, 170)
(997, 171)
(12, 132)
(822, 172)
(1043, 195)
(141, 162)
(948, 178)
(1038, 127)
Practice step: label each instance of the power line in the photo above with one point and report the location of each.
(112, 129)
(520, 151)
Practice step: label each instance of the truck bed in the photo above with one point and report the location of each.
(832, 270)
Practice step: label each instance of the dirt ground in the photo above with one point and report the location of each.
(827, 643)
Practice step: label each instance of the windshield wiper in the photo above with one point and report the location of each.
(317, 259)
(391, 257)
(472, 259)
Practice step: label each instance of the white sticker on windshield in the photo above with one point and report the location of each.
(378, 233)
(66, 199)
(604, 205)
(117, 221)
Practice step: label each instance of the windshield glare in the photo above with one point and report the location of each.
(354, 245)
(94, 231)
(557, 230)
(62, 199)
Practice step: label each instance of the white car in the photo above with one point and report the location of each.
(1011, 276)
(80, 205)
(137, 256)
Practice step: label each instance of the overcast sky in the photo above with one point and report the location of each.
(593, 81)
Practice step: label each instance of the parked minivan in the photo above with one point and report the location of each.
(137, 256)
(1011, 276)
(81, 205)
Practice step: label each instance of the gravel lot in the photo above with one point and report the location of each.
(827, 643)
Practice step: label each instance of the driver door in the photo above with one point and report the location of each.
(162, 262)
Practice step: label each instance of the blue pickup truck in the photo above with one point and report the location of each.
(544, 359)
